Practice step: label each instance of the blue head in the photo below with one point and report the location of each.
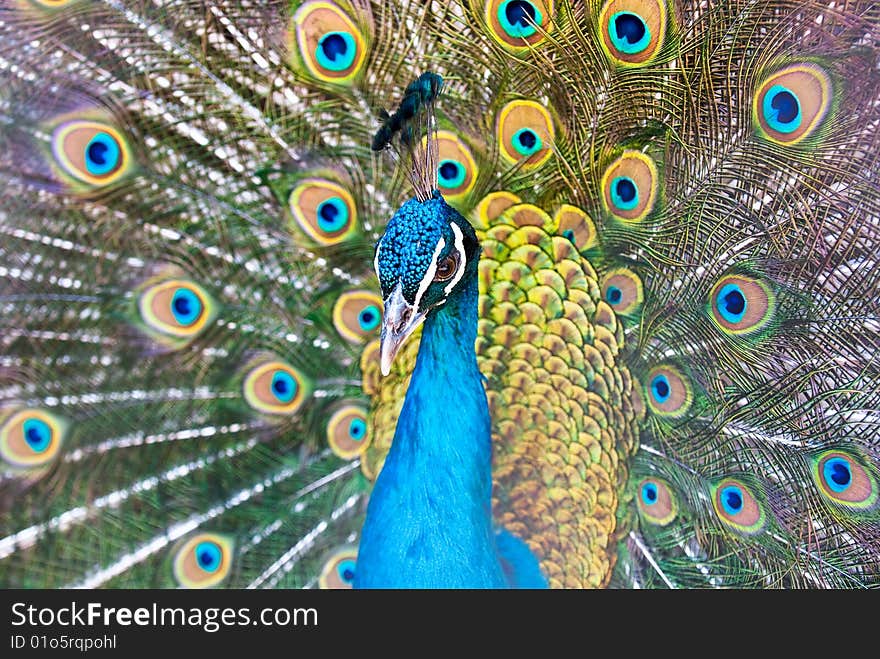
(429, 252)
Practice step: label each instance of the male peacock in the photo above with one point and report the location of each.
(429, 522)
(675, 313)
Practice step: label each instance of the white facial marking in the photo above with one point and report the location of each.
(376, 258)
(462, 260)
(429, 275)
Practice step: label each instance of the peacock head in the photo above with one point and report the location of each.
(428, 253)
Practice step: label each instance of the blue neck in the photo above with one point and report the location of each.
(429, 521)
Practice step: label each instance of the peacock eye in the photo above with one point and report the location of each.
(446, 268)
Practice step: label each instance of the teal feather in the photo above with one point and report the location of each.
(429, 522)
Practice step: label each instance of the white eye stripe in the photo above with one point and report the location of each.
(429, 275)
(376, 258)
(462, 259)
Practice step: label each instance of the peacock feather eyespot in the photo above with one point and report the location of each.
(628, 32)
(450, 173)
(575, 225)
(518, 18)
(91, 152)
(369, 317)
(656, 501)
(186, 306)
(629, 186)
(324, 210)
(348, 432)
(275, 387)
(668, 391)
(330, 46)
(731, 303)
(283, 386)
(332, 215)
(791, 104)
(844, 481)
(176, 308)
(660, 389)
(357, 315)
(781, 109)
(30, 438)
(740, 304)
(525, 132)
(339, 569)
(623, 290)
(624, 193)
(203, 561)
(632, 31)
(209, 556)
(518, 24)
(336, 51)
(738, 507)
(456, 169)
(526, 142)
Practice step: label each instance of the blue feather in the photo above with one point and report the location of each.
(429, 521)
(519, 563)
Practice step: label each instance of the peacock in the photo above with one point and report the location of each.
(479, 293)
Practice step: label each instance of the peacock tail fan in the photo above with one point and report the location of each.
(679, 215)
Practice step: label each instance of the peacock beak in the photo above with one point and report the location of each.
(398, 322)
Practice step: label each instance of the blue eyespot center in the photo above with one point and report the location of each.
(333, 45)
(734, 302)
(527, 138)
(357, 429)
(186, 306)
(97, 153)
(102, 154)
(613, 295)
(624, 193)
(450, 173)
(649, 494)
(732, 499)
(519, 17)
(37, 434)
(283, 386)
(731, 303)
(345, 570)
(369, 317)
(209, 556)
(629, 32)
(336, 51)
(569, 234)
(786, 105)
(626, 189)
(660, 388)
(332, 215)
(519, 12)
(781, 109)
(838, 474)
(526, 141)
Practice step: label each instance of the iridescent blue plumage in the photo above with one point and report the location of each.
(429, 522)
